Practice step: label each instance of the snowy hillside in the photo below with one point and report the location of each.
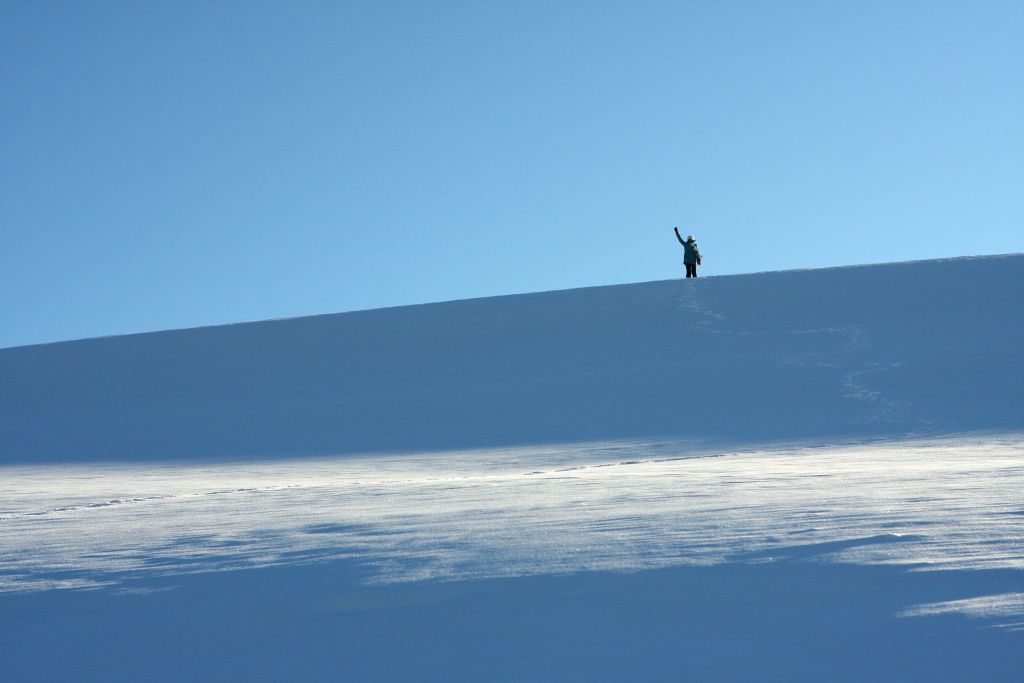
(909, 348)
(807, 475)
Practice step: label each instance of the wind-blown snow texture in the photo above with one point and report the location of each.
(810, 475)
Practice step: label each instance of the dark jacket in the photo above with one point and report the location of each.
(692, 255)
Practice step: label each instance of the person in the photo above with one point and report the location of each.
(691, 256)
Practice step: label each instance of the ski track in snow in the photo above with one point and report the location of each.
(937, 504)
(851, 378)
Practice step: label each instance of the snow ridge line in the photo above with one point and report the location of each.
(124, 502)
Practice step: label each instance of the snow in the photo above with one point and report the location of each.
(783, 476)
(489, 514)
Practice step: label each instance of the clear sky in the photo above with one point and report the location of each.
(173, 164)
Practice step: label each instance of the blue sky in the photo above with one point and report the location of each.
(177, 164)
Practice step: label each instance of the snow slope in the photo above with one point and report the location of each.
(908, 348)
(812, 475)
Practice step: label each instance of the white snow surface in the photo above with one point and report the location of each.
(954, 503)
(812, 475)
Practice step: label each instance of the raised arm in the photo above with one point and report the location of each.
(679, 237)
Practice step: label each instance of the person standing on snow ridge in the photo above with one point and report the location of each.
(691, 257)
